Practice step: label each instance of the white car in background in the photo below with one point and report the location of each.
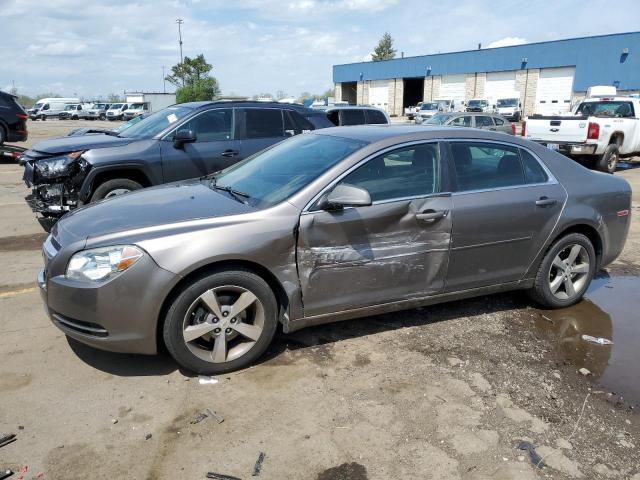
(427, 110)
(134, 110)
(116, 111)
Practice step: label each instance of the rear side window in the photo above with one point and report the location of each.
(533, 171)
(294, 123)
(263, 122)
(376, 117)
(352, 116)
(481, 166)
(482, 121)
(461, 121)
(498, 121)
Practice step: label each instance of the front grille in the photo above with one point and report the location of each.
(86, 328)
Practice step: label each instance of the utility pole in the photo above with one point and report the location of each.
(164, 82)
(179, 21)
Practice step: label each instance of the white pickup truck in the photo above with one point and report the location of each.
(599, 131)
(410, 112)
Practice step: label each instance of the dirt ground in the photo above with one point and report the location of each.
(444, 392)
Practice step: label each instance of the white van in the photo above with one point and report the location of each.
(50, 107)
(116, 111)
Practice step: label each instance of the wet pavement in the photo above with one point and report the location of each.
(610, 311)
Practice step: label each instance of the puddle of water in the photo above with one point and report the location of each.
(610, 310)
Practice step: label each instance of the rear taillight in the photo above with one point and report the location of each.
(22, 116)
(513, 129)
(523, 129)
(594, 131)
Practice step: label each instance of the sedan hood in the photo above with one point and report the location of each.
(151, 207)
(72, 144)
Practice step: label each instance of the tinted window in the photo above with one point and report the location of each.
(4, 102)
(376, 117)
(263, 122)
(406, 172)
(352, 116)
(461, 121)
(480, 166)
(294, 123)
(334, 117)
(212, 125)
(482, 121)
(498, 121)
(533, 171)
(275, 174)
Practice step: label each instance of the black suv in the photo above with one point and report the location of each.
(182, 141)
(13, 120)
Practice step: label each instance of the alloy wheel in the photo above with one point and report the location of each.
(569, 272)
(223, 324)
(612, 162)
(117, 191)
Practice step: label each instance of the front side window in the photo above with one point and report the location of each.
(461, 121)
(263, 122)
(406, 172)
(352, 116)
(212, 125)
(481, 166)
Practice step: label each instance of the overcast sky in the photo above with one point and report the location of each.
(92, 48)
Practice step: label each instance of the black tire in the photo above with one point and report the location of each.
(107, 188)
(3, 135)
(541, 290)
(609, 160)
(179, 310)
(102, 116)
(43, 117)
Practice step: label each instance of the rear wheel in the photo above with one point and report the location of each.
(112, 188)
(221, 323)
(565, 272)
(609, 160)
(43, 117)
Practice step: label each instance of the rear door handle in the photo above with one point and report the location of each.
(230, 153)
(431, 216)
(545, 202)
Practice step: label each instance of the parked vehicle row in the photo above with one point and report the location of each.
(335, 224)
(600, 130)
(73, 109)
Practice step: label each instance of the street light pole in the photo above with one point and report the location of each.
(179, 21)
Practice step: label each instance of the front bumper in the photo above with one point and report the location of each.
(119, 315)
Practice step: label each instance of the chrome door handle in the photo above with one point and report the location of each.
(431, 216)
(545, 202)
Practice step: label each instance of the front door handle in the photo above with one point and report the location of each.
(230, 153)
(431, 216)
(545, 202)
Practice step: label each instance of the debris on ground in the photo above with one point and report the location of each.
(114, 420)
(597, 340)
(198, 418)
(206, 380)
(5, 473)
(215, 416)
(535, 458)
(258, 466)
(148, 436)
(584, 371)
(7, 438)
(221, 476)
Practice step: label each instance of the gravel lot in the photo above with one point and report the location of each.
(443, 392)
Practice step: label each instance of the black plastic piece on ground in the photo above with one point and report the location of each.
(536, 459)
(7, 438)
(258, 466)
(221, 476)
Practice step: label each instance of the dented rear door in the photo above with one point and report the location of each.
(395, 249)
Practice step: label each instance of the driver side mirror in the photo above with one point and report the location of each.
(345, 195)
(184, 136)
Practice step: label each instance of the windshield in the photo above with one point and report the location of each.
(273, 175)
(444, 104)
(438, 119)
(128, 124)
(507, 102)
(38, 105)
(98, 106)
(70, 107)
(154, 124)
(429, 106)
(136, 106)
(115, 106)
(606, 109)
(477, 103)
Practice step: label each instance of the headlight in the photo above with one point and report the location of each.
(56, 166)
(102, 263)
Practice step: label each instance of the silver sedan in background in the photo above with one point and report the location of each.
(481, 120)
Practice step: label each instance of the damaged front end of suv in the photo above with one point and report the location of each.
(55, 181)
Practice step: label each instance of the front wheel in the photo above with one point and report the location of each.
(609, 160)
(222, 322)
(112, 188)
(565, 272)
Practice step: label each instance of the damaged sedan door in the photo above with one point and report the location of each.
(394, 249)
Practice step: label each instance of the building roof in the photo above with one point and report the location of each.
(599, 60)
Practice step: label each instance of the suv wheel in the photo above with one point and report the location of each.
(565, 272)
(221, 323)
(3, 135)
(112, 188)
(609, 160)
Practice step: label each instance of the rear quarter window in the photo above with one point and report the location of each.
(376, 117)
(352, 116)
(533, 171)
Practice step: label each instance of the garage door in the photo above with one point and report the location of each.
(453, 86)
(379, 94)
(554, 90)
(499, 85)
